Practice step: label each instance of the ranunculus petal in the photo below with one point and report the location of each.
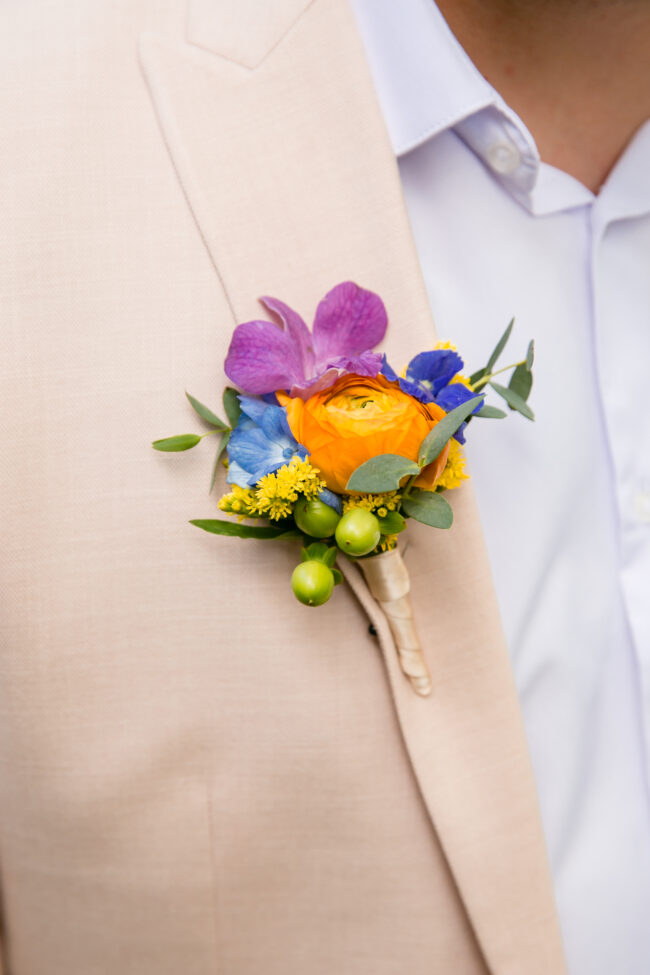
(338, 439)
(263, 358)
(349, 320)
(297, 330)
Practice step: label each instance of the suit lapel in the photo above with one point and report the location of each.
(291, 179)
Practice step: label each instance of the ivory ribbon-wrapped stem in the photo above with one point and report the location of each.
(389, 583)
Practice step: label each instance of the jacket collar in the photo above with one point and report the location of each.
(293, 184)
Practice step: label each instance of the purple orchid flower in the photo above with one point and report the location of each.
(264, 356)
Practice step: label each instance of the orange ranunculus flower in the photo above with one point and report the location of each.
(358, 418)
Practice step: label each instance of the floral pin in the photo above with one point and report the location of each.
(326, 443)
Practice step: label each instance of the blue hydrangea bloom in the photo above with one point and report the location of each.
(260, 443)
(429, 379)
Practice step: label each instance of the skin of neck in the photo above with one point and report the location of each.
(577, 72)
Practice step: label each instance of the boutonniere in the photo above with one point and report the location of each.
(324, 442)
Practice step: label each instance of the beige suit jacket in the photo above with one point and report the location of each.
(198, 775)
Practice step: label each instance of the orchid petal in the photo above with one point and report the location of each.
(306, 389)
(296, 329)
(349, 320)
(366, 364)
(263, 358)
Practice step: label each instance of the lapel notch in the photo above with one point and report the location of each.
(243, 31)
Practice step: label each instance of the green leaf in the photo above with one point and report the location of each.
(474, 378)
(500, 346)
(185, 441)
(392, 524)
(216, 526)
(206, 414)
(382, 473)
(491, 412)
(428, 507)
(444, 430)
(223, 443)
(317, 551)
(329, 558)
(231, 405)
(530, 355)
(338, 576)
(521, 382)
(513, 400)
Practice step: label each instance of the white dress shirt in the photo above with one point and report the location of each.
(565, 501)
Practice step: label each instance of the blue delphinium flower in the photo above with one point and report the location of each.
(260, 443)
(429, 378)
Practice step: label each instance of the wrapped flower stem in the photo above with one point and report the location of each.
(389, 583)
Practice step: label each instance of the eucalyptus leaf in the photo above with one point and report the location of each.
(185, 441)
(530, 354)
(474, 378)
(429, 507)
(513, 400)
(392, 524)
(231, 405)
(223, 443)
(206, 414)
(216, 526)
(521, 382)
(381, 473)
(500, 346)
(491, 412)
(444, 430)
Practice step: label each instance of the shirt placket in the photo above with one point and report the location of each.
(621, 299)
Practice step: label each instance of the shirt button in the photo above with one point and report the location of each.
(503, 157)
(642, 506)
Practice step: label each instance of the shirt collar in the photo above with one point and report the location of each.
(425, 81)
(426, 84)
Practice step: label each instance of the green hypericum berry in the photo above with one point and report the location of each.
(312, 583)
(315, 518)
(357, 533)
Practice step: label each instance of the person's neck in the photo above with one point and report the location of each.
(576, 72)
